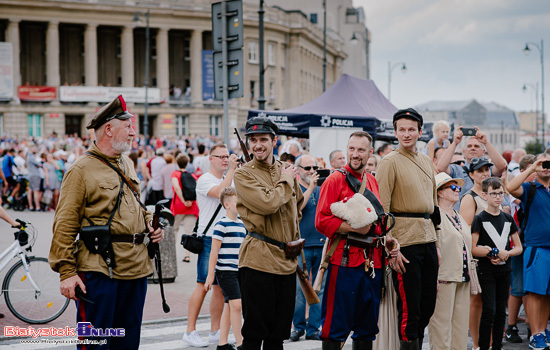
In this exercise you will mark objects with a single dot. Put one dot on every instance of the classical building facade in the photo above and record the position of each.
(61, 60)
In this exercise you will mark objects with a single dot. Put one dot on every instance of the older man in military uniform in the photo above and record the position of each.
(269, 199)
(109, 261)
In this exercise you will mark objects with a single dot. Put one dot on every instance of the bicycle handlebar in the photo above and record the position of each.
(22, 223)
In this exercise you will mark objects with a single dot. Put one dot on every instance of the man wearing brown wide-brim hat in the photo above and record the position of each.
(95, 205)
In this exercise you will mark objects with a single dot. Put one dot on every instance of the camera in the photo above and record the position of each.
(323, 174)
(546, 164)
(469, 131)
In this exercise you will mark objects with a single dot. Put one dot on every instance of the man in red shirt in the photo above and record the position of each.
(352, 292)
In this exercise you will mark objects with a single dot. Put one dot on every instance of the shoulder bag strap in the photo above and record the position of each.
(122, 177)
(211, 220)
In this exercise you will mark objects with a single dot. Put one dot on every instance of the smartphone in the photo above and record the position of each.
(546, 164)
(469, 131)
(323, 174)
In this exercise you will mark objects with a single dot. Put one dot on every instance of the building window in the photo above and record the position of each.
(313, 18)
(272, 92)
(182, 125)
(35, 125)
(252, 52)
(271, 54)
(215, 122)
(352, 15)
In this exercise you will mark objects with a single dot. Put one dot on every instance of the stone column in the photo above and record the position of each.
(196, 66)
(52, 54)
(163, 78)
(127, 56)
(12, 35)
(90, 54)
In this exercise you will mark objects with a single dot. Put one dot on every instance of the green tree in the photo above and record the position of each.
(534, 147)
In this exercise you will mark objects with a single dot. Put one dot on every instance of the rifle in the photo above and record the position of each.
(243, 147)
(310, 294)
(154, 252)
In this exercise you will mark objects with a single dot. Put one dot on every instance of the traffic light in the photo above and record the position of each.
(233, 35)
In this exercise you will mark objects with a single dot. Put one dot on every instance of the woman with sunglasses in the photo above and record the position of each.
(472, 204)
(448, 328)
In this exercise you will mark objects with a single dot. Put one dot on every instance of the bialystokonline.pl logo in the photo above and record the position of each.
(84, 331)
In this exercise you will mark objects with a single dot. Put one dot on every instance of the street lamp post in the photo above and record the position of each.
(261, 98)
(147, 52)
(541, 50)
(536, 89)
(324, 44)
(390, 69)
(354, 41)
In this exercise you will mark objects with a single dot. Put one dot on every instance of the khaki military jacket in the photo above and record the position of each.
(269, 204)
(406, 182)
(90, 190)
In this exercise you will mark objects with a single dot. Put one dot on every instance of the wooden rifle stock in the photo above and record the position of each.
(307, 289)
(243, 147)
(321, 273)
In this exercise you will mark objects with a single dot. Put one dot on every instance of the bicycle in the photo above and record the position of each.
(30, 287)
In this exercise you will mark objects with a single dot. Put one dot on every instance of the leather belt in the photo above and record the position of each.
(136, 238)
(269, 240)
(413, 215)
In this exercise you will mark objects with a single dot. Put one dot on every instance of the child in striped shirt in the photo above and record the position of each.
(228, 235)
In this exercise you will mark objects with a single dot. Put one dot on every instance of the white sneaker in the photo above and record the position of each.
(194, 339)
(214, 338)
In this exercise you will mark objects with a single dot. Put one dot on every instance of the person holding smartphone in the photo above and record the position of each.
(477, 144)
(536, 260)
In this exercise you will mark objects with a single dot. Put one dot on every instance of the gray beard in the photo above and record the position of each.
(121, 146)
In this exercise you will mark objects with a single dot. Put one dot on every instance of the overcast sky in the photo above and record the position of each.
(459, 50)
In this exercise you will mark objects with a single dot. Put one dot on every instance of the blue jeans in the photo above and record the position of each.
(203, 260)
(313, 261)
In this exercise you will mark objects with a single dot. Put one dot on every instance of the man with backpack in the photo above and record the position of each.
(536, 262)
(184, 202)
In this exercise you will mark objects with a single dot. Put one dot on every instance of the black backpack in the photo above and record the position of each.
(188, 186)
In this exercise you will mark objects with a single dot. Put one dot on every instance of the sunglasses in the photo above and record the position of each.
(308, 168)
(452, 187)
(459, 162)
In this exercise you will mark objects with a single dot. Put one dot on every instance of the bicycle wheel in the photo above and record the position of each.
(24, 301)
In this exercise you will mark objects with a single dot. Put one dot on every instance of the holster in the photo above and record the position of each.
(436, 217)
(294, 248)
(97, 238)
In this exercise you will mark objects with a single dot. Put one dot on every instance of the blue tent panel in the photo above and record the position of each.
(349, 103)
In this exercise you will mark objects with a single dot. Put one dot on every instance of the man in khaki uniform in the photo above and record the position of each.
(115, 279)
(407, 189)
(269, 201)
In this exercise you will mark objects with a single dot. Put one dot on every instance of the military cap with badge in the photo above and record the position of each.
(116, 109)
(261, 125)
